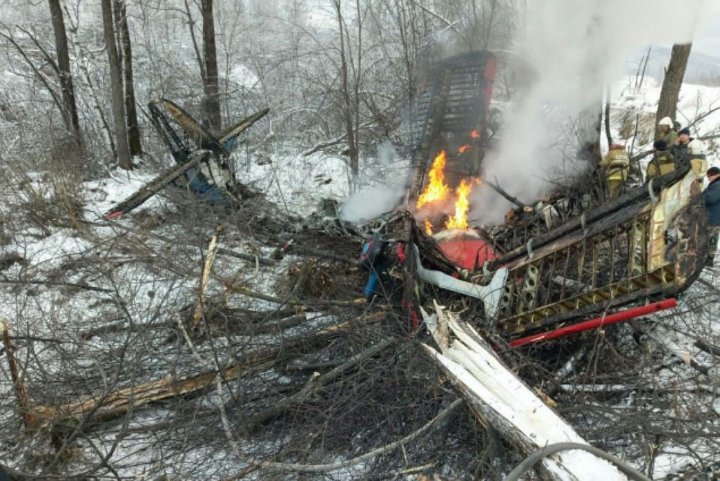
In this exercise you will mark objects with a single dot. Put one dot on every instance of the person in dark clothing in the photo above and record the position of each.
(373, 259)
(711, 195)
(680, 148)
(4, 475)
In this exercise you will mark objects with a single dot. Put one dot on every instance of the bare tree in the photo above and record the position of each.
(63, 63)
(116, 84)
(350, 85)
(211, 102)
(123, 33)
(674, 74)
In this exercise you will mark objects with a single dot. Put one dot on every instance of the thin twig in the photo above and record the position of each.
(320, 468)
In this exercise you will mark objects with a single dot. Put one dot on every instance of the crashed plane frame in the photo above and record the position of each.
(647, 245)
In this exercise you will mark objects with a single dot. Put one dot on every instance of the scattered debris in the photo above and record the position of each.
(203, 161)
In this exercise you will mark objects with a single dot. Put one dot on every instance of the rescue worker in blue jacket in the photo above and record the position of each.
(711, 195)
(374, 259)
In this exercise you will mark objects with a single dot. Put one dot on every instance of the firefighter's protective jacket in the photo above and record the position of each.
(616, 163)
(670, 137)
(663, 163)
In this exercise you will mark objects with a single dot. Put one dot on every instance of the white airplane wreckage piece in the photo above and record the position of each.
(500, 397)
(490, 295)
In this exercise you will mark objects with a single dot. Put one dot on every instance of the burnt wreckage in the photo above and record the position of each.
(202, 159)
(539, 275)
(549, 269)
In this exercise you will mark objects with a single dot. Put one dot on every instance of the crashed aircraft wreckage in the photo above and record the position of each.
(553, 270)
(545, 271)
(202, 159)
(550, 267)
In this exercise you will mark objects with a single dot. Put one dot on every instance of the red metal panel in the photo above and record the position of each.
(467, 252)
(598, 322)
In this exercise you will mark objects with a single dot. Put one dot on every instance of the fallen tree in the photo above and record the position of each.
(117, 403)
(496, 394)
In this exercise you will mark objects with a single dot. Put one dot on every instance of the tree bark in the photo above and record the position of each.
(82, 63)
(211, 102)
(70, 114)
(109, 405)
(133, 131)
(118, 100)
(346, 101)
(674, 75)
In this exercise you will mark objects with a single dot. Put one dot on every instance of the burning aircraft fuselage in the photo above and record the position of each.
(453, 102)
(560, 264)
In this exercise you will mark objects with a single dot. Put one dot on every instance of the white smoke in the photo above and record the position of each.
(370, 202)
(382, 185)
(574, 49)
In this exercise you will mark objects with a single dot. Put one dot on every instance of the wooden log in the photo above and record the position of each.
(205, 279)
(116, 403)
(20, 391)
(506, 402)
(263, 261)
(154, 186)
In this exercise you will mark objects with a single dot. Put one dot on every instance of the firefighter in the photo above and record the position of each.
(698, 161)
(662, 162)
(615, 166)
(711, 195)
(666, 131)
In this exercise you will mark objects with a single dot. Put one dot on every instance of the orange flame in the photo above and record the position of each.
(463, 148)
(428, 227)
(436, 189)
(459, 220)
(474, 134)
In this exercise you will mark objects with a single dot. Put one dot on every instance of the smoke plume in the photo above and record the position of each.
(573, 49)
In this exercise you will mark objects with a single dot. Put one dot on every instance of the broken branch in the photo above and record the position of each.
(315, 384)
(319, 468)
(117, 403)
(205, 278)
(496, 187)
(20, 390)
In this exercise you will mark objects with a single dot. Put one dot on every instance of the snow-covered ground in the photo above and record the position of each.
(70, 274)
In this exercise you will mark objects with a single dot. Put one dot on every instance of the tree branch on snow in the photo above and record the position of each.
(322, 468)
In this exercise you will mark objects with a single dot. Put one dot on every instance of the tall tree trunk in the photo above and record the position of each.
(118, 99)
(211, 102)
(82, 62)
(674, 74)
(346, 102)
(123, 32)
(70, 114)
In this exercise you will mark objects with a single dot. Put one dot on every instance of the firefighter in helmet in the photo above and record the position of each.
(666, 131)
(698, 159)
(615, 166)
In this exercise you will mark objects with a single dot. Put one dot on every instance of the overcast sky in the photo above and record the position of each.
(708, 40)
